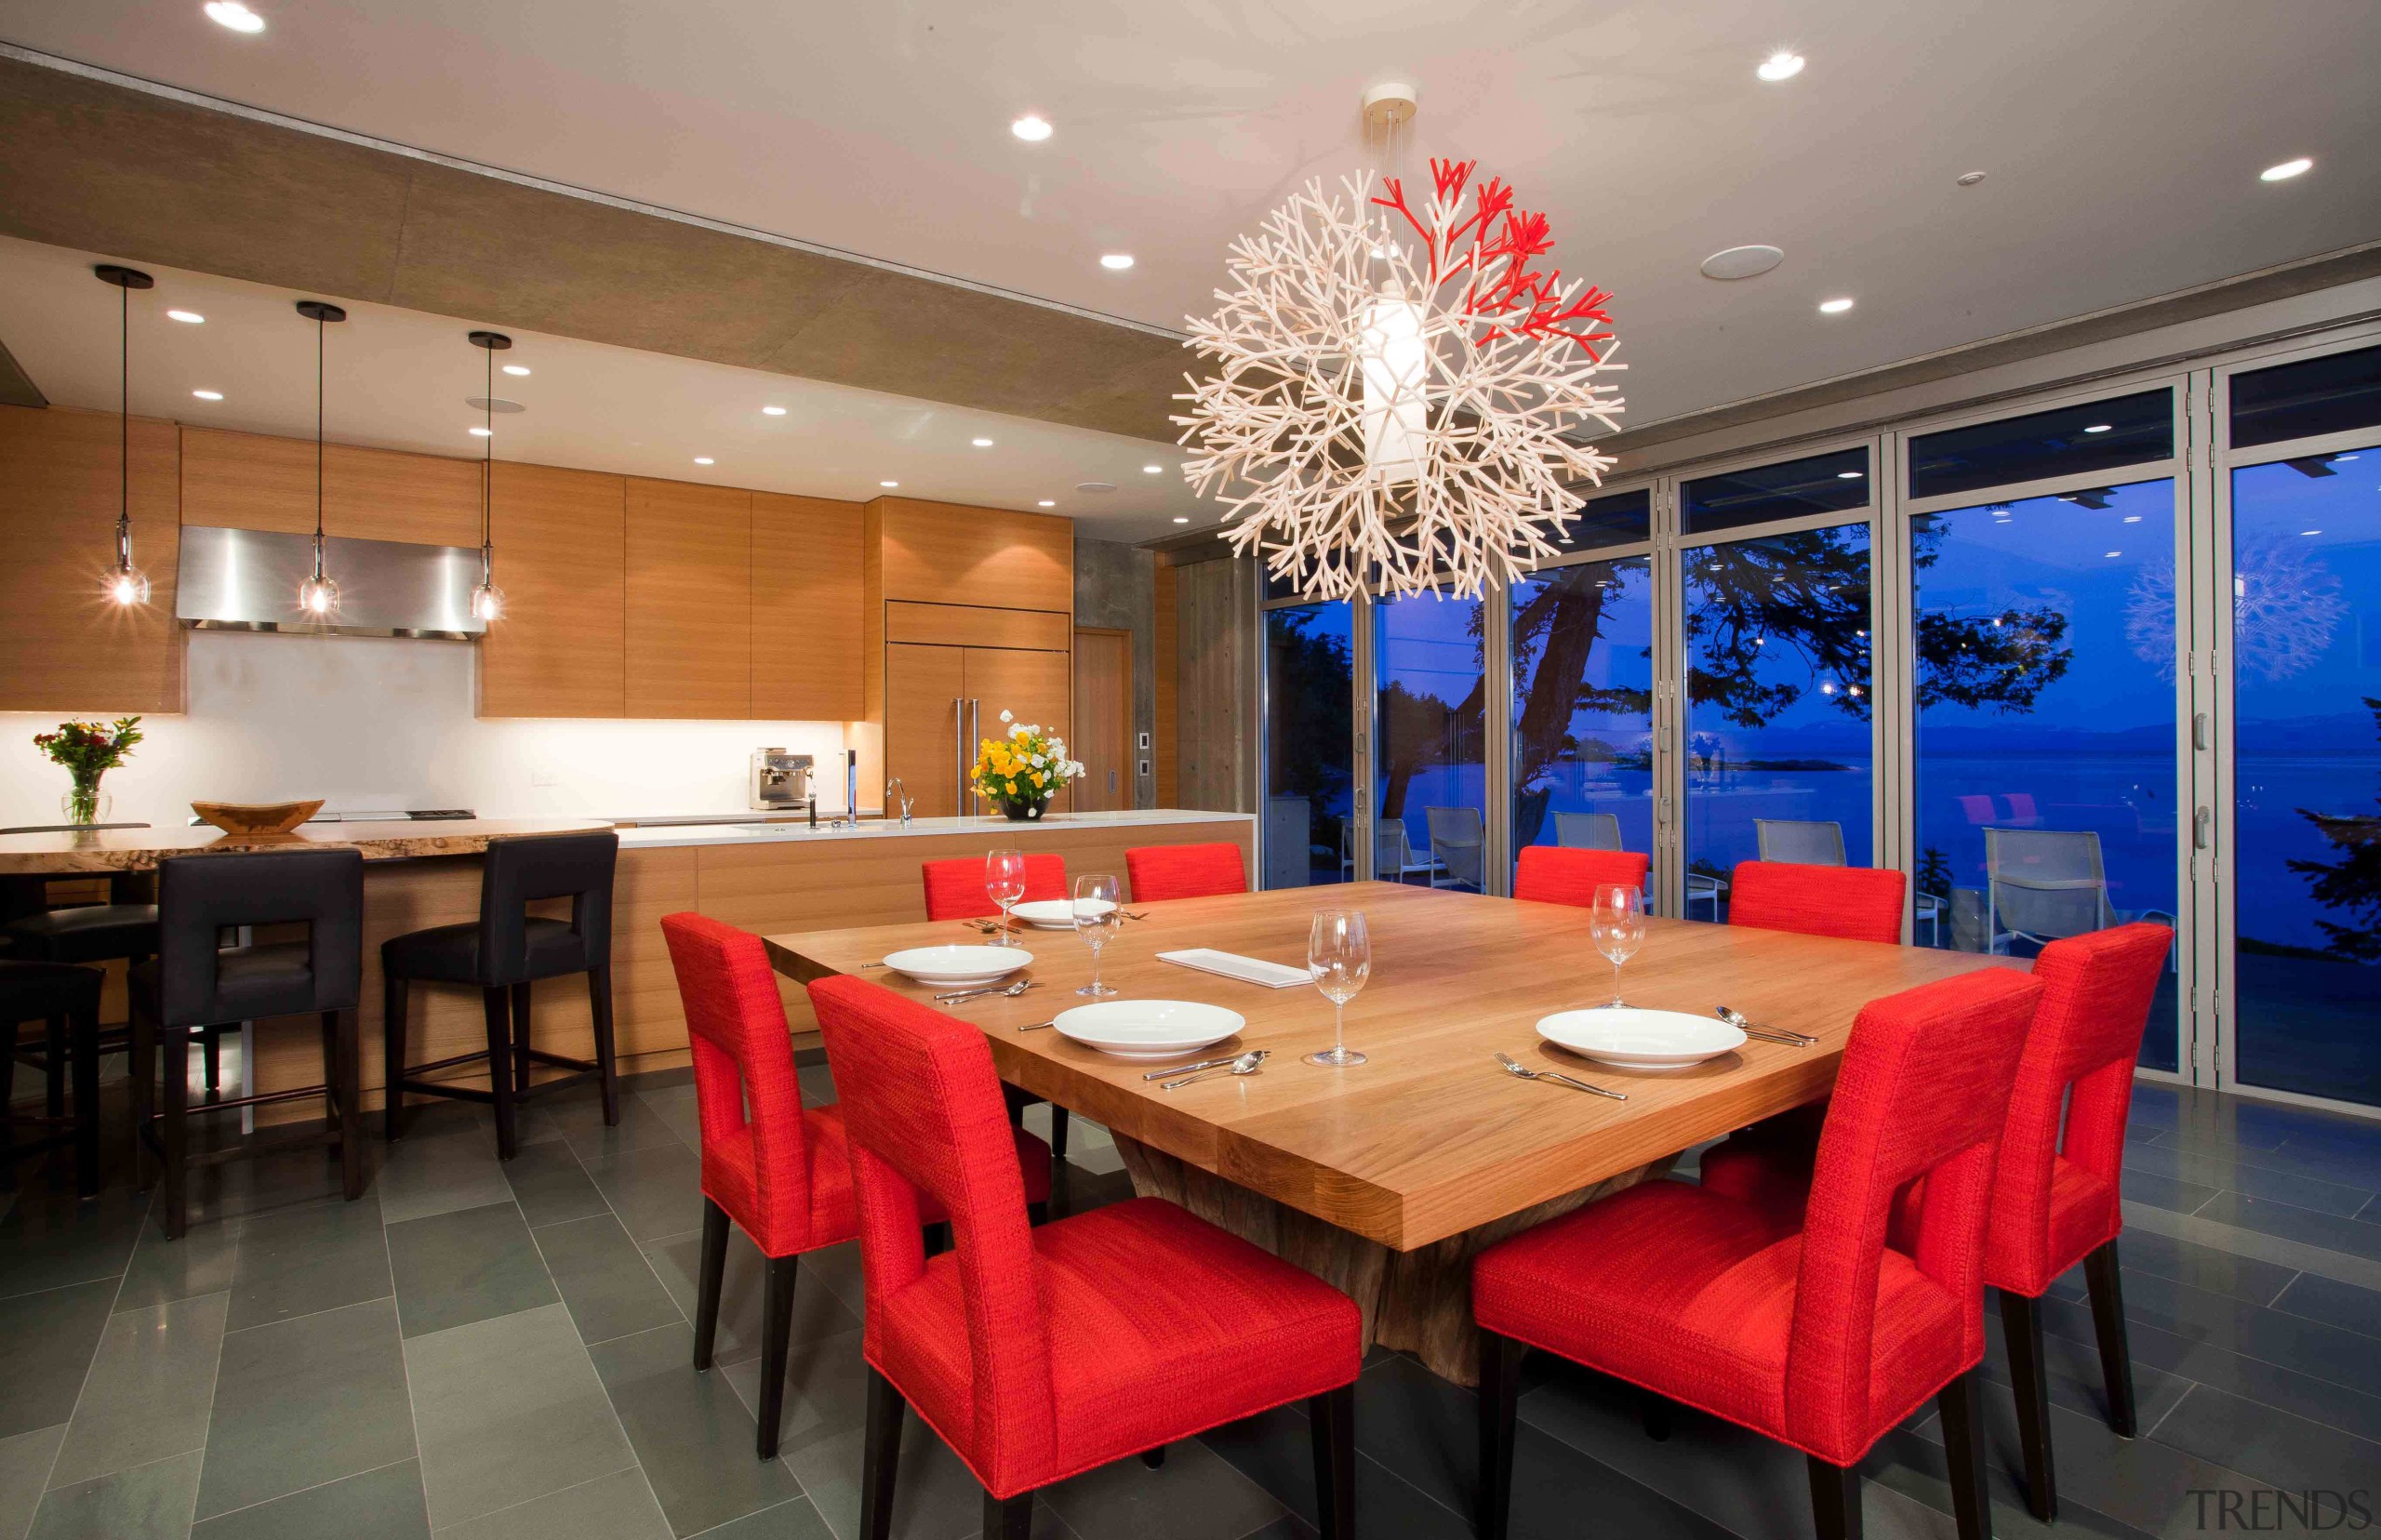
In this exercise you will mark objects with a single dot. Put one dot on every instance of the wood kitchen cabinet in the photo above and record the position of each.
(926, 688)
(69, 650)
(806, 609)
(252, 481)
(689, 609)
(560, 649)
(946, 553)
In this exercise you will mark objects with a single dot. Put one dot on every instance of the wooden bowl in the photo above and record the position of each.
(257, 818)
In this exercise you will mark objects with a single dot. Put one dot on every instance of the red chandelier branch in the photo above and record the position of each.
(1497, 242)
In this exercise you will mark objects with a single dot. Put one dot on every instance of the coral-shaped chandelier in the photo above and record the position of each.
(1396, 387)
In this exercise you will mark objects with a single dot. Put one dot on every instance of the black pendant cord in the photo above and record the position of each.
(319, 329)
(487, 472)
(123, 433)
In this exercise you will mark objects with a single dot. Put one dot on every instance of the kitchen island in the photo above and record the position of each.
(764, 877)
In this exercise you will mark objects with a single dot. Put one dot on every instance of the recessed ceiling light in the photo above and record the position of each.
(773, 411)
(1784, 65)
(2133, 518)
(888, 484)
(1743, 262)
(981, 443)
(1850, 476)
(1117, 261)
(1031, 129)
(208, 395)
(2116, 553)
(1153, 469)
(1834, 307)
(2286, 170)
(2342, 459)
(705, 459)
(1181, 518)
(187, 318)
(1048, 502)
(483, 433)
(1968, 179)
(232, 14)
(517, 370)
(1094, 486)
(2311, 532)
(2099, 428)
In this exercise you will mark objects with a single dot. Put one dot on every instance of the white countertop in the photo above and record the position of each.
(780, 833)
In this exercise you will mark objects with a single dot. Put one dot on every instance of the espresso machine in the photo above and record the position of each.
(780, 781)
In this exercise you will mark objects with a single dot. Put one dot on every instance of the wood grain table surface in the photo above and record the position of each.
(1430, 1139)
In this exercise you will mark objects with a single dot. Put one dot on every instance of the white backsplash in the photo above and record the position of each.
(385, 723)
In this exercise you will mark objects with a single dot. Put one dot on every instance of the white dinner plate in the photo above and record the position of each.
(1634, 1039)
(1053, 913)
(947, 966)
(1149, 1028)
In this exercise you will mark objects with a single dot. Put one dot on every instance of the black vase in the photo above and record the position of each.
(1021, 812)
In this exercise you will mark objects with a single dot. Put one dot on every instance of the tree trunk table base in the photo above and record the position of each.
(1419, 1301)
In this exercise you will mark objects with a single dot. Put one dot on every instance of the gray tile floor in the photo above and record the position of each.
(477, 1349)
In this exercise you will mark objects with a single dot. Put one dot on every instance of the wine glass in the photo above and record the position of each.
(1617, 924)
(1004, 884)
(1099, 912)
(1339, 955)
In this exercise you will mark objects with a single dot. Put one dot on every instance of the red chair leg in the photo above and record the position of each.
(879, 1458)
(707, 1281)
(1500, 1373)
(2105, 1281)
(2021, 1328)
(1332, 1416)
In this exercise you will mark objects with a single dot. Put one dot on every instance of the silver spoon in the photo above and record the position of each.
(1515, 1066)
(1771, 1034)
(1009, 991)
(1248, 1064)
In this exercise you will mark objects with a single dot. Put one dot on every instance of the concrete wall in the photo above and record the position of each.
(1115, 590)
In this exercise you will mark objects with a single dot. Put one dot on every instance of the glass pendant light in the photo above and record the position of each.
(488, 600)
(124, 584)
(318, 595)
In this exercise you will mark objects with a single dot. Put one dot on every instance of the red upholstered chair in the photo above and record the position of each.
(1036, 1354)
(1159, 872)
(2056, 1202)
(1814, 1333)
(955, 888)
(955, 891)
(1856, 903)
(781, 1175)
(1550, 874)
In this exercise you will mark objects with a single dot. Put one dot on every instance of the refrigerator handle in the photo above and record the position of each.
(967, 798)
(958, 753)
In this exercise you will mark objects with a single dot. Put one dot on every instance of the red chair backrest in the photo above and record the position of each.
(1923, 1092)
(1158, 873)
(2096, 991)
(1856, 903)
(743, 1057)
(955, 888)
(1553, 874)
(923, 1113)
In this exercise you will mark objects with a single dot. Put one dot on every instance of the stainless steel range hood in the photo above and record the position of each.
(246, 580)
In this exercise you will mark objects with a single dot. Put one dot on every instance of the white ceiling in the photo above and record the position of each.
(2122, 138)
(398, 379)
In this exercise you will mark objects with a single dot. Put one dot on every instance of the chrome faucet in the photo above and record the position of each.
(897, 799)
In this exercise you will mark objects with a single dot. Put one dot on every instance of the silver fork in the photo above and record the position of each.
(1515, 1066)
(1011, 991)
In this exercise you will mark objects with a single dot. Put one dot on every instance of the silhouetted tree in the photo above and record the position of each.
(1310, 706)
(2351, 886)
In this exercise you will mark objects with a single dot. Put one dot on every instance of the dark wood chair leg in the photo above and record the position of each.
(1154, 1459)
(2105, 1281)
(1058, 1131)
(1961, 1404)
(54, 1067)
(1008, 1518)
(777, 1337)
(521, 1038)
(607, 1069)
(499, 1070)
(140, 1070)
(937, 1238)
(210, 1049)
(393, 1056)
(86, 1034)
(1500, 1390)
(879, 1458)
(707, 1280)
(348, 1029)
(1835, 1500)
(1331, 1418)
(2021, 1327)
(175, 1041)
(1656, 1414)
(1037, 1213)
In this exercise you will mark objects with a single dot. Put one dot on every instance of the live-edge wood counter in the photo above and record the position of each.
(420, 874)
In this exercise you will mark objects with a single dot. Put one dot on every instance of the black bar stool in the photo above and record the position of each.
(501, 954)
(195, 983)
(67, 999)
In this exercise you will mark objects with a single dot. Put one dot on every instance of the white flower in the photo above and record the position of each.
(1037, 761)
(1005, 717)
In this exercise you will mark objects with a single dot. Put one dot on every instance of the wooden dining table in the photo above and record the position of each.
(1387, 1178)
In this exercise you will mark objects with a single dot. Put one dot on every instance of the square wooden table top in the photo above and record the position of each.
(1430, 1136)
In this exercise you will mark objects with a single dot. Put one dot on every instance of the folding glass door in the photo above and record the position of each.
(1309, 763)
(1430, 768)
